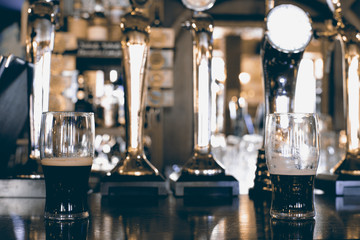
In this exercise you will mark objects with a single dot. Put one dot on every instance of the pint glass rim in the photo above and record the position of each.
(68, 113)
(62, 115)
(294, 114)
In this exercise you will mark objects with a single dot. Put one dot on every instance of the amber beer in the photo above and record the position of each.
(293, 194)
(66, 181)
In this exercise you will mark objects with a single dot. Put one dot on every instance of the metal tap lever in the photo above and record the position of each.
(202, 161)
(135, 46)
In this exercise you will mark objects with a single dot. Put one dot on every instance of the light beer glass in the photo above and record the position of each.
(67, 151)
(292, 156)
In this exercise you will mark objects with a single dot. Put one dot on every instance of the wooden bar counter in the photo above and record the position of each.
(179, 218)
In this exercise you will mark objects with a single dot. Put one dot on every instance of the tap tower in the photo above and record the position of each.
(202, 171)
(135, 173)
(287, 34)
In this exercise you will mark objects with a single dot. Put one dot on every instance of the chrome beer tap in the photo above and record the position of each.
(287, 34)
(202, 175)
(39, 46)
(202, 162)
(349, 38)
(135, 47)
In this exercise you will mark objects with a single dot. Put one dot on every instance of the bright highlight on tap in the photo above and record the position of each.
(197, 5)
(289, 28)
(136, 54)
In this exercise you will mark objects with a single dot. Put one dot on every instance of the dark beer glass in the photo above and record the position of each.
(292, 156)
(67, 151)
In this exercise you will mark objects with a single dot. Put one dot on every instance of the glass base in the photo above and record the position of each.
(66, 217)
(292, 215)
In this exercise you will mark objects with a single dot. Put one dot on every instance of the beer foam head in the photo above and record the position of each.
(294, 172)
(292, 166)
(79, 161)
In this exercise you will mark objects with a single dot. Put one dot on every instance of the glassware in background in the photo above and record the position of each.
(238, 156)
(240, 118)
(107, 108)
(292, 156)
(108, 150)
(332, 145)
(67, 152)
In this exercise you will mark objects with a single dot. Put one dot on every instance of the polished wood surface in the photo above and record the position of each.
(178, 218)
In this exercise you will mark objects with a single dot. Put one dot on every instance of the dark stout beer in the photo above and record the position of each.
(292, 157)
(293, 195)
(66, 181)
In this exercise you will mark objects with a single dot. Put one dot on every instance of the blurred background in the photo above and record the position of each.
(87, 75)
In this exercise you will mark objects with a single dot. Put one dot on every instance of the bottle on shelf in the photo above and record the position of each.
(116, 12)
(98, 23)
(82, 104)
(77, 22)
(107, 108)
